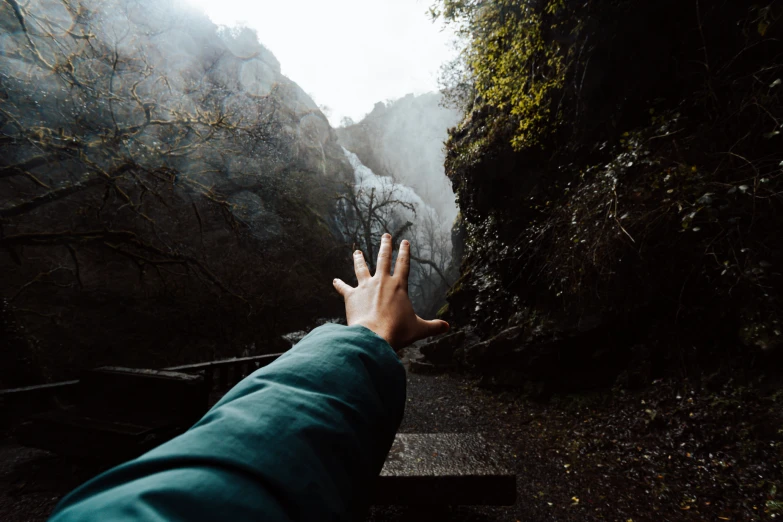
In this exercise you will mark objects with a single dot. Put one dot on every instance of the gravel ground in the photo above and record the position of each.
(672, 452)
(32, 481)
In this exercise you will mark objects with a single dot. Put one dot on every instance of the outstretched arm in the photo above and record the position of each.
(302, 439)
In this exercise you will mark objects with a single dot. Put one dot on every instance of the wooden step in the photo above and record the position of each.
(445, 469)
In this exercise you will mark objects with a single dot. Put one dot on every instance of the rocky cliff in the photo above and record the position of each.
(164, 190)
(620, 205)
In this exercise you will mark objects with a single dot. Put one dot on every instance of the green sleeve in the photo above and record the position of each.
(302, 439)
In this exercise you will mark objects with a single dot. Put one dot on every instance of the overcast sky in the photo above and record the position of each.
(347, 54)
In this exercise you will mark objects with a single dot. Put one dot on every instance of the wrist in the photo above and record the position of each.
(378, 330)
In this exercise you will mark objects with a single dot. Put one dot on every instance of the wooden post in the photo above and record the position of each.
(223, 377)
(208, 378)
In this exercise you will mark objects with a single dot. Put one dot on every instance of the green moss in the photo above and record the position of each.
(457, 287)
(466, 152)
(517, 66)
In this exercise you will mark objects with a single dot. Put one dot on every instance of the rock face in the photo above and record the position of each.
(626, 214)
(160, 193)
(404, 139)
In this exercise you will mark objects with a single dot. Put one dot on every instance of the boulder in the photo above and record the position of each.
(638, 373)
(441, 351)
(487, 352)
(566, 362)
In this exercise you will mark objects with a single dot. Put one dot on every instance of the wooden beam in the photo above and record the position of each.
(40, 388)
(263, 360)
(54, 387)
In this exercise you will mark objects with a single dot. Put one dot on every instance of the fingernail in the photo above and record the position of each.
(334, 281)
(405, 243)
(387, 236)
(357, 253)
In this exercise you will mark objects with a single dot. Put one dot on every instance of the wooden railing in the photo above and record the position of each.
(219, 375)
(40, 389)
(20, 402)
(222, 375)
(32, 399)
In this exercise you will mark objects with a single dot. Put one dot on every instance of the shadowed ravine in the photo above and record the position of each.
(594, 201)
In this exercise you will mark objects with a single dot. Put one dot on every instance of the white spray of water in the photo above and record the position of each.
(405, 138)
(366, 180)
(429, 234)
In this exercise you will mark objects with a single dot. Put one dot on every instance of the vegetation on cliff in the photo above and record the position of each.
(619, 167)
(516, 60)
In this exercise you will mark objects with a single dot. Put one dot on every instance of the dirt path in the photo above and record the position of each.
(671, 452)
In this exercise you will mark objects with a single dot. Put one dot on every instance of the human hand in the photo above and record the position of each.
(381, 301)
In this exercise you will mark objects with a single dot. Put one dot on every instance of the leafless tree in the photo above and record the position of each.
(369, 212)
(431, 253)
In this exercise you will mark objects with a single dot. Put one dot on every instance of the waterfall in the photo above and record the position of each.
(366, 179)
(411, 208)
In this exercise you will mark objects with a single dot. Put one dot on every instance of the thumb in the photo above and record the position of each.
(342, 288)
(430, 328)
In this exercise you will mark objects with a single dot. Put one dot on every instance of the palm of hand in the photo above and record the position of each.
(380, 302)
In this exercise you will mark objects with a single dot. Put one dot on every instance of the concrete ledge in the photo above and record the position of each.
(445, 469)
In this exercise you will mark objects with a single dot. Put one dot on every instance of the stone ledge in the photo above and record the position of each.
(445, 469)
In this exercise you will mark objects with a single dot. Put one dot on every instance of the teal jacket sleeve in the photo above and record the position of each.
(302, 439)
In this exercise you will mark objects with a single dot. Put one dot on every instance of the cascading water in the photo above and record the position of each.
(366, 180)
(410, 207)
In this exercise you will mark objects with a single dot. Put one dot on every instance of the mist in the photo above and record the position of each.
(404, 139)
(347, 54)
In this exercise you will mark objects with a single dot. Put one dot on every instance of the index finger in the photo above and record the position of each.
(360, 267)
(403, 266)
